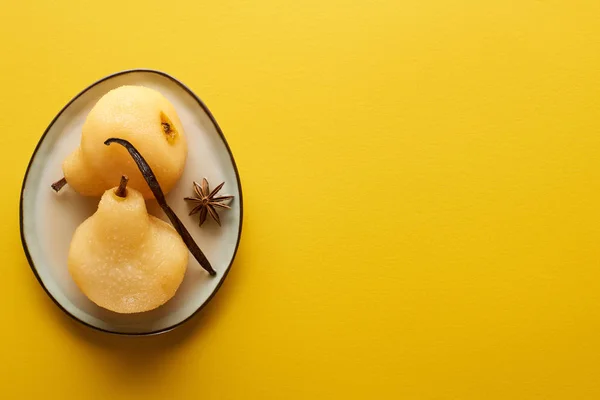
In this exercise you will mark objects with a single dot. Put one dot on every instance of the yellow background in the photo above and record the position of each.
(422, 191)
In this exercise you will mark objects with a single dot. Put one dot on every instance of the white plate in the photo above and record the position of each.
(48, 220)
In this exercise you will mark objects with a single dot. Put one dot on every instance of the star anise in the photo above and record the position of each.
(208, 201)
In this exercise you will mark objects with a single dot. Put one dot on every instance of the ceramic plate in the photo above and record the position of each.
(48, 220)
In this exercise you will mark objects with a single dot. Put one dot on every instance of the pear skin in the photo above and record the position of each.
(124, 259)
(80, 176)
(142, 116)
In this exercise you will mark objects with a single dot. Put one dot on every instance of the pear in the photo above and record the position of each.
(140, 115)
(124, 259)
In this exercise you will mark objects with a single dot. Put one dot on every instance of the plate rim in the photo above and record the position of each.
(235, 168)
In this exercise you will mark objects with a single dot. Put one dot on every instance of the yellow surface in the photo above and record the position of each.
(422, 192)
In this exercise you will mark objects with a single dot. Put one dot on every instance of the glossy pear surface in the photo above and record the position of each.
(140, 115)
(125, 260)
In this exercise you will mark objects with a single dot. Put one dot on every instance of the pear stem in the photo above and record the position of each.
(121, 191)
(59, 184)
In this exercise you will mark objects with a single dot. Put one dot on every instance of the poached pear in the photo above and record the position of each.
(140, 115)
(124, 259)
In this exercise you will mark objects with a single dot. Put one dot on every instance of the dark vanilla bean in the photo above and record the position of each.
(160, 198)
